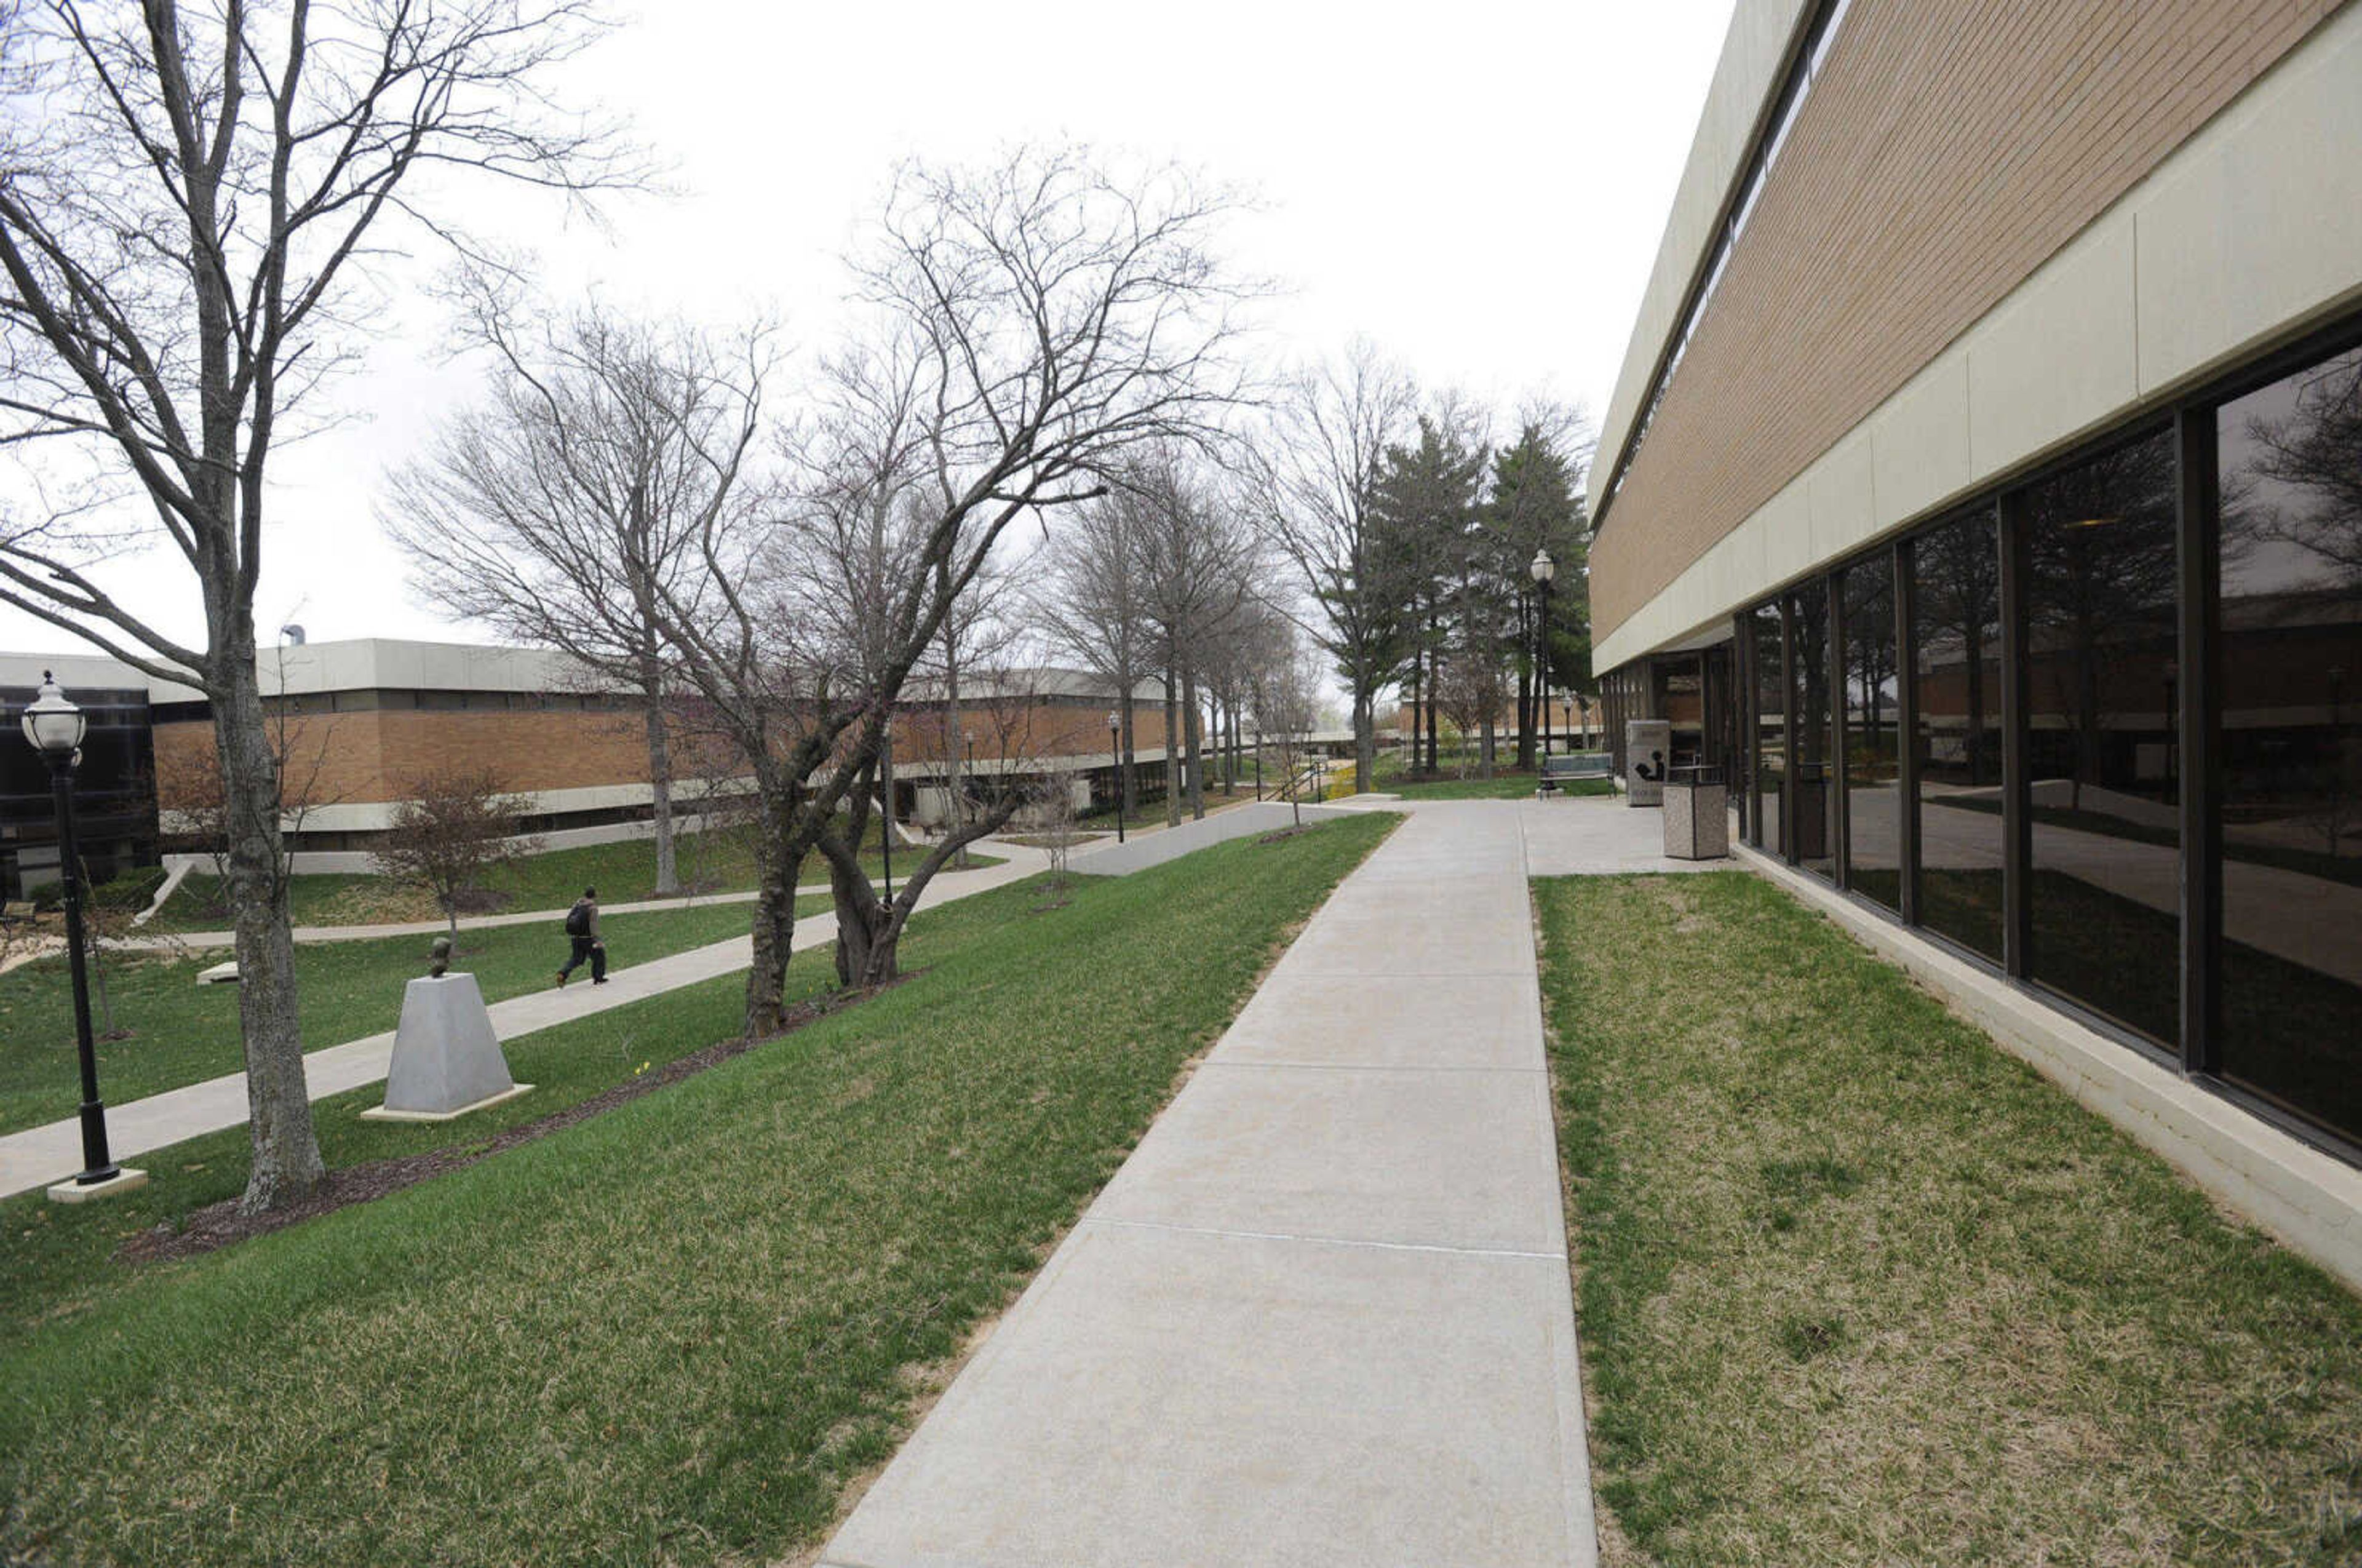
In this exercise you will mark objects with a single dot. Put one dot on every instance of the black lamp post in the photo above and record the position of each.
(1115, 750)
(886, 814)
(54, 727)
(1543, 568)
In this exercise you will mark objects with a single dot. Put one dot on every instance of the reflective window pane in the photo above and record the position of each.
(1872, 756)
(1955, 664)
(2101, 745)
(2291, 742)
(1770, 728)
(1808, 612)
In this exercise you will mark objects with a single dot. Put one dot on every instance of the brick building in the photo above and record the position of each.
(1986, 468)
(360, 719)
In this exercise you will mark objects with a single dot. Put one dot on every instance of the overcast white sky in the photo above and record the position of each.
(1479, 189)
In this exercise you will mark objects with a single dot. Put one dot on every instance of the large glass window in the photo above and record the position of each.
(2290, 741)
(1872, 747)
(1808, 620)
(2101, 684)
(1956, 664)
(1771, 726)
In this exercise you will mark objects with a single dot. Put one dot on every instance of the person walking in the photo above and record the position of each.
(582, 930)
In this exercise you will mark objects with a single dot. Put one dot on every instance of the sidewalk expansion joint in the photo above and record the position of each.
(1559, 1257)
(1372, 1066)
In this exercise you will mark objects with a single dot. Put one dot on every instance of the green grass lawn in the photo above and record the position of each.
(1855, 1287)
(1390, 776)
(623, 872)
(1502, 786)
(673, 1334)
(184, 1032)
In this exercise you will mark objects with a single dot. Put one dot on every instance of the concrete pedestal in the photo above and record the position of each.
(446, 1060)
(124, 1179)
(1697, 821)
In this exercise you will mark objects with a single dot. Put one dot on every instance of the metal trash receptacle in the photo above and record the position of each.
(1697, 815)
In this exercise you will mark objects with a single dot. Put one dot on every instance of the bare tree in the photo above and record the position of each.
(455, 827)
(183, 200)
(1196, 562)
(979, 632)
(1032, 325)
(1319, 470)
(1471, 686)
(561, 512)
(1287, 707)
(1053, 806)
(1089, 599)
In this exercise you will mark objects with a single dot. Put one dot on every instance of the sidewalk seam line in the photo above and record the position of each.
(1319, 1241)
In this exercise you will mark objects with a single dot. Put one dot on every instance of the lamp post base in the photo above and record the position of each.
(124, 1180)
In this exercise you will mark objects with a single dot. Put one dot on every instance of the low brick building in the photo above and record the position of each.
(360, 721)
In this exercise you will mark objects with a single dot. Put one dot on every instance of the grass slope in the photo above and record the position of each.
(1858, 1287)
(184, 1032)
(673, 1334)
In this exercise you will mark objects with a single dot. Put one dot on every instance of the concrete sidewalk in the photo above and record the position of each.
(40, 1155)
(1322, 1314)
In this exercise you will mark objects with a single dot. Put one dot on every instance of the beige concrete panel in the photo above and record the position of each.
(2059, 357)
(1919, 439)
(1786, 525)
(2258, 221)
(1840, 494)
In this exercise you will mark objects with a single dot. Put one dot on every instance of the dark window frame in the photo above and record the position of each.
(2190, 416)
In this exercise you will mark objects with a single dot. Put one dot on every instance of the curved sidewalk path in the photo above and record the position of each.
(40, 1155)
(1322, 1314)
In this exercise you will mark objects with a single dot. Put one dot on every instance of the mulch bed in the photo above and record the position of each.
(221, 1225)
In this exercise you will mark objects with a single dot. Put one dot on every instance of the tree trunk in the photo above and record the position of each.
(869, 929)
(775, 915)
(1485, 747)
(954, 742)
(660, 788)
(1365, 741)
(1434, 754)
(286, 1159)
(1196, 749)
(866, 933)
(1172, 754)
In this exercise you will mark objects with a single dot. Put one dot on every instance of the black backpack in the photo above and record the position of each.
(577, 920)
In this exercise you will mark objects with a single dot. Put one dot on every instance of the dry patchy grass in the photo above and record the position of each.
(1858, 1287)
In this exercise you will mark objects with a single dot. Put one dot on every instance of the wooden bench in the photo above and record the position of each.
(1574, 765)
(14, 913)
